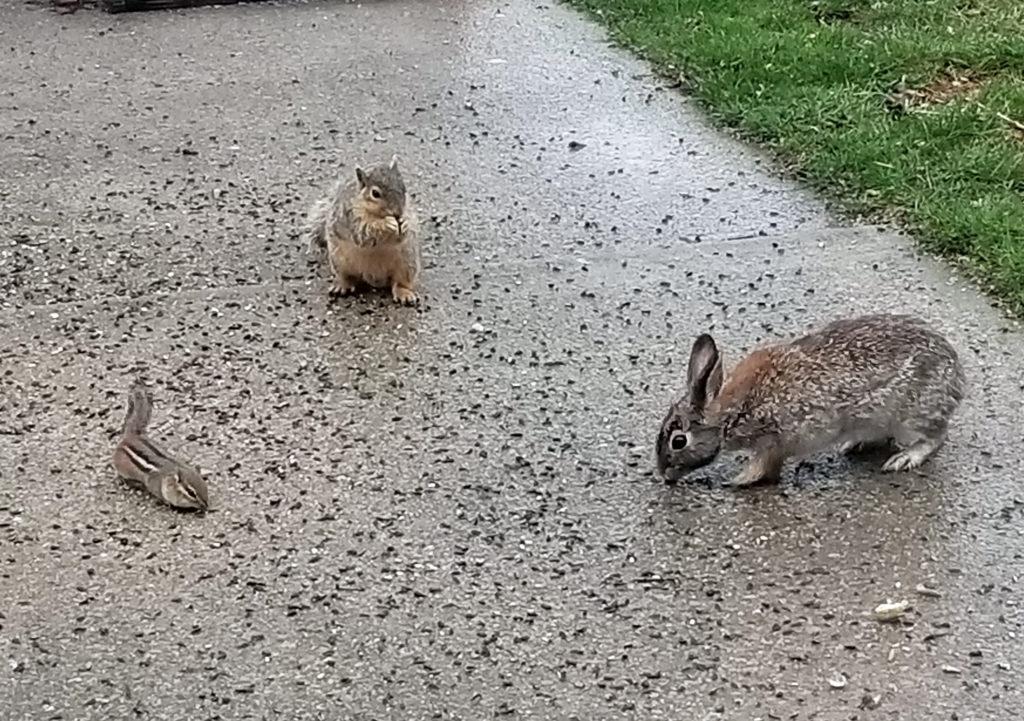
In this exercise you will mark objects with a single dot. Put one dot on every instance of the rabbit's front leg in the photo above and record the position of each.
(851, 448)
(764, 465)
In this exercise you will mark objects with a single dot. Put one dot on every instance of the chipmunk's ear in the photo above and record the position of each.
(394, 162)
(361, 177)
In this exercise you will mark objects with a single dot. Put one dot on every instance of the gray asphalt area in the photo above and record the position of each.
(451, 512)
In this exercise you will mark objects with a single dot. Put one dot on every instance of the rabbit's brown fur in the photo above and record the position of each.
(854, 381)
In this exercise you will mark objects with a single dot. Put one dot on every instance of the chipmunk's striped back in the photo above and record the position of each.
(139, 460)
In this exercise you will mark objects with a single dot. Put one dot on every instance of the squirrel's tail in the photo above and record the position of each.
(316, 224)
(140, 409)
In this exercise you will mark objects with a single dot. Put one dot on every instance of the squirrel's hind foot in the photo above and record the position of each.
(342, 287)
(404, 295)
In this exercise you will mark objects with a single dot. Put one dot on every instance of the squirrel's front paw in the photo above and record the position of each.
(392, 224)
(403, 295)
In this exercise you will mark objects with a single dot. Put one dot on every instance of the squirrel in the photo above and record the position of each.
(371, 233)
(142, 463)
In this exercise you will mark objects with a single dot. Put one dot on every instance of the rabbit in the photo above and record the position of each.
(854, 382)
(371, 233)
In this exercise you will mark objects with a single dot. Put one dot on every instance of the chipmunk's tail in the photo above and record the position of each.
(140, 409)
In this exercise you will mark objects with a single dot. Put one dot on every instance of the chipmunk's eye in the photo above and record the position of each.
(375, 194)
(678, 440)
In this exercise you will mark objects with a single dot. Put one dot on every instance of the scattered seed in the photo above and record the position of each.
(871, 702)
(890, 610)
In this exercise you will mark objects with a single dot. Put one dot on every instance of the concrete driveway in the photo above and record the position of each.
(450, 513)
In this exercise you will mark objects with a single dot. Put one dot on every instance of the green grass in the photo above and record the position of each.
(811, 80)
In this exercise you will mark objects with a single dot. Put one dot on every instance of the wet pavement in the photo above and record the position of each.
(450, 512)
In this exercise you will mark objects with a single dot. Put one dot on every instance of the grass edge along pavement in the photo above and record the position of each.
(912, 110)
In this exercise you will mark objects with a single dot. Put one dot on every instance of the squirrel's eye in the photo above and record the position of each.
(677, 441)
(375, 194)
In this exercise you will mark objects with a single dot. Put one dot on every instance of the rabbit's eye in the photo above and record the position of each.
(375, 194)
(677, 441)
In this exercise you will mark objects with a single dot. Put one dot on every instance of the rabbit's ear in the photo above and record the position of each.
(704, 377)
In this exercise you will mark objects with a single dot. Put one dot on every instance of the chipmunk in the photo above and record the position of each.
(370, 232)
(141, 462)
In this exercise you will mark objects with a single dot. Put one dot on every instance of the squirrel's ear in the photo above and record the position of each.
(394, 162)
(361, 177)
